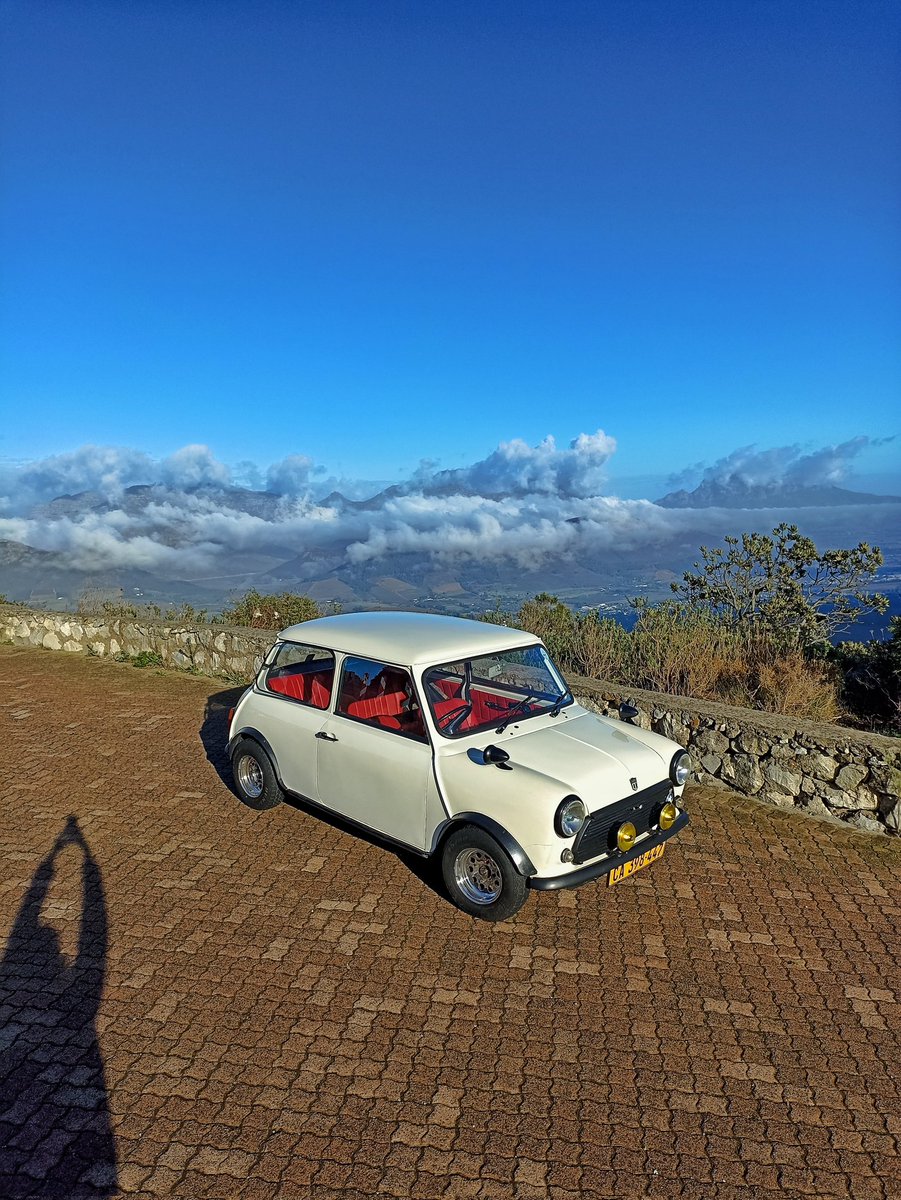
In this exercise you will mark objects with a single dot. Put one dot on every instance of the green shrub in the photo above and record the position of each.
(781, 586)
(187, 614)
(115, 610)
(91, 603)
(602, 647)
(254, 609)
(147, 658)
(554, 622)
(871, 680)
(258, 611)
(497, 615)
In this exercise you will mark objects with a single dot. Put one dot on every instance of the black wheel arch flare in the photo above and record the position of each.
(253, 735)
(521, 861)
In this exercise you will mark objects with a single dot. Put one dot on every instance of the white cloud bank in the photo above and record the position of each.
(783, 466)
(518, 469)
(522, 504)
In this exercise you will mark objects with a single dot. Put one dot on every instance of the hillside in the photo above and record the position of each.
(734, 493)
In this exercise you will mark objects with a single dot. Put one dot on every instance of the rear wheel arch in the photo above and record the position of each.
(255, 773)
(251, 735)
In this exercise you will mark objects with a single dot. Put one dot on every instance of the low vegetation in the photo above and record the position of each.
(254, 610)
(92, 603)
(751, 625)
(673, 648)
(871, 679)
(258, 611)
(144, 658)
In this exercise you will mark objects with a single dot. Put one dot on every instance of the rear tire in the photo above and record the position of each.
(479, 876)
(255, 780)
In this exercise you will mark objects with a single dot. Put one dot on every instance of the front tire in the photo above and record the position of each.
(254, 775)
(479, 876)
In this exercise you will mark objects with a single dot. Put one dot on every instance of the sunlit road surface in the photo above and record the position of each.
(201, 1001)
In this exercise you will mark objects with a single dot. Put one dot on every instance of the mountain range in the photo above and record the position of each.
(737, 493)
(206, 542)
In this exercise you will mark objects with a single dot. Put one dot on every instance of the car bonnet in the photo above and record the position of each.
(588, 754)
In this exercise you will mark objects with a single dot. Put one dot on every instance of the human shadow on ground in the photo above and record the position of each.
(214, 736)
(56, 1140)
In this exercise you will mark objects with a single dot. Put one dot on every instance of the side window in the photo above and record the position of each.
(379, 694)
(302, 673)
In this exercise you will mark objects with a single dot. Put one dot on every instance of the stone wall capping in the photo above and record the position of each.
(820, 733)
(840, 774)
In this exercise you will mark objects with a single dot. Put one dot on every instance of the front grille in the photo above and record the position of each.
(598, 835)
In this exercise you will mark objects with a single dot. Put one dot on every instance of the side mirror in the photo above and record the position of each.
(494, 754)
(627, 712)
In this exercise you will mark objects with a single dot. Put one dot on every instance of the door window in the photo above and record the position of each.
(379, 694)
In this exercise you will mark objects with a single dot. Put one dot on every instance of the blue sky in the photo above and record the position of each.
(380, 232)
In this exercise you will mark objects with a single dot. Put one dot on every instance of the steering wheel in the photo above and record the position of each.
(451, 721)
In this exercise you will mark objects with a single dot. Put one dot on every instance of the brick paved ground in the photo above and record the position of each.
(262, 1005)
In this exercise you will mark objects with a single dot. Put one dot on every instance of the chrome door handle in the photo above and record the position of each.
(326, 737)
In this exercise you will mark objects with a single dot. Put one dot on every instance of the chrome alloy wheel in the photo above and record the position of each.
(250, 776)
(478, 876)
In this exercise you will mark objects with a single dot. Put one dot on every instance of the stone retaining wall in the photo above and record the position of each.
(218, 650)
(827, 770)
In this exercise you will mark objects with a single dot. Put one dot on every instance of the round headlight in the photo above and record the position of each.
(680, 767)
(570, 817)
(625, 836)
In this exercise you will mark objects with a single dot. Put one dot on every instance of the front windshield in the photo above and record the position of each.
(488, 692)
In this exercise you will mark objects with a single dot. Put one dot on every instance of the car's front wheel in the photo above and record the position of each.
(255, 778)
(479, 876)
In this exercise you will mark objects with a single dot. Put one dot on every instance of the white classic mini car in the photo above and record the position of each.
(458, 740)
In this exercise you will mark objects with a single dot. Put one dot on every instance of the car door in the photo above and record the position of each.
(374, 758)
(295, 691)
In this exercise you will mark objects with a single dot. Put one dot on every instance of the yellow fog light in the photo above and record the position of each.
(625, 836)
(668, 815)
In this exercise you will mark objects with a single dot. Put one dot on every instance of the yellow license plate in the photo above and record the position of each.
(618, 874)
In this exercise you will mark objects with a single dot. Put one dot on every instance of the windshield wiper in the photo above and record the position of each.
(511, 712)
(555, 711)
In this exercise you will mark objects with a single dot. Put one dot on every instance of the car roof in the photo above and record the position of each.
(408, 639)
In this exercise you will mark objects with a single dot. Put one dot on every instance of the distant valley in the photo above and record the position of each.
(207, 544)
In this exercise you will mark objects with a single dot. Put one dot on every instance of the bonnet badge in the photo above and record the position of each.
(634, 783)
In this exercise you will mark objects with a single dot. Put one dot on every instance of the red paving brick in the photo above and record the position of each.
(265, 1006)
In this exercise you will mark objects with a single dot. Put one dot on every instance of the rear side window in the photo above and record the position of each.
(379, 694)
(302, 673)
